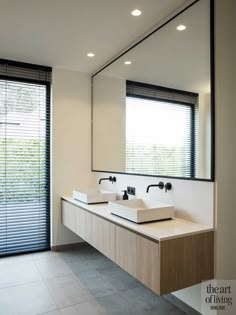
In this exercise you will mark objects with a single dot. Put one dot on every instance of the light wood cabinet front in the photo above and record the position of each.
(84, 225)
(164, 267)
(138, 256)
(103, 236)
(186, 261)
(69, 215)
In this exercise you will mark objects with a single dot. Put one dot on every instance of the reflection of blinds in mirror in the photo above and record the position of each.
(159, 131)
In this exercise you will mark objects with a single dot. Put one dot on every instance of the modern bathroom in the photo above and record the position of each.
(117, 152)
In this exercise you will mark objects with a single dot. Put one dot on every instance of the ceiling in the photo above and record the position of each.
(60, 33)
(179, 60)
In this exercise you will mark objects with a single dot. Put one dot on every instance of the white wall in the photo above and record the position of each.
(193, 200)
(70, 143)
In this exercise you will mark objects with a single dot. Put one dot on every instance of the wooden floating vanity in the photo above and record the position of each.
(165, 256)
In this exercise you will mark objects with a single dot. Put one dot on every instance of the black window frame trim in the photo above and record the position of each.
(47, 84)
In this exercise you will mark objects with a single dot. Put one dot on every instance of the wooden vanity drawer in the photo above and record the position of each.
(163, 266)
(103, 236)
(69, 215)
(84, 224)
(186, 261)
(169, 266)
(139, 256)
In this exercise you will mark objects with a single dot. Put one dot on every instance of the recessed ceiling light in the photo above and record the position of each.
(181, 27)
(128, 62)
(136, 12)
(91, 54)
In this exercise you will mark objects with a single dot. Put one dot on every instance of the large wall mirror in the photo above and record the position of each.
(152, 111)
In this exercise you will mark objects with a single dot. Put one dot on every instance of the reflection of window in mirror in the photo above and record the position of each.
(160, 130)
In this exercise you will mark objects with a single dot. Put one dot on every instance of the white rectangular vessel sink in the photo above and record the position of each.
(93, 195)
(140, 210)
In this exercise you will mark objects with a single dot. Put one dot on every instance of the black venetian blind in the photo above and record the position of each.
(160, 130)
(24, 157)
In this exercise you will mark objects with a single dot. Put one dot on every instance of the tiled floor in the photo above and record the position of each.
(74, 282)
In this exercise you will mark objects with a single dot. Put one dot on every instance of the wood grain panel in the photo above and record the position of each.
(84, 225)
(186, 261)
(126, 250)
(103, 236)
(148, 264)
(139, 257)
(68, 215)
(163, 267)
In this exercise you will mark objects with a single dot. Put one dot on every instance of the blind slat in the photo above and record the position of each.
(24, 158)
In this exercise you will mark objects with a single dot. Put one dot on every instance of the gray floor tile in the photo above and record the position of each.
(95, 283)
(15, 272)
(52, 266)
(71, 256)
(105, 263)
(56, 312)
(117, 304)
(67, 290)
(27, 299)
(78, 281)
(85, 258)
(119, 279)
(143, 295)
(147, 302)
(14, 258)
(92, 263)
(83, 252)
(86, 308)
(44, 255)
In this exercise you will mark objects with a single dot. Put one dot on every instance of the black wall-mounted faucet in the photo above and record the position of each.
(160, 185)
(110, 178)
(168, 186)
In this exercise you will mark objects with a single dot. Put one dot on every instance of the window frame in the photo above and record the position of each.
(47, 83)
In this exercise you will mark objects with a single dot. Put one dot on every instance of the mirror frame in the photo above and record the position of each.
(212, 98)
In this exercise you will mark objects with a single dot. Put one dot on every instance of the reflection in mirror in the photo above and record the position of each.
(152, 106)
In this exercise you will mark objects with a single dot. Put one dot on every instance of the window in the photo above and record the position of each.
(160, 130)
(24, 157)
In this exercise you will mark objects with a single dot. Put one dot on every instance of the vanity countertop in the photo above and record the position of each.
(161, 230)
